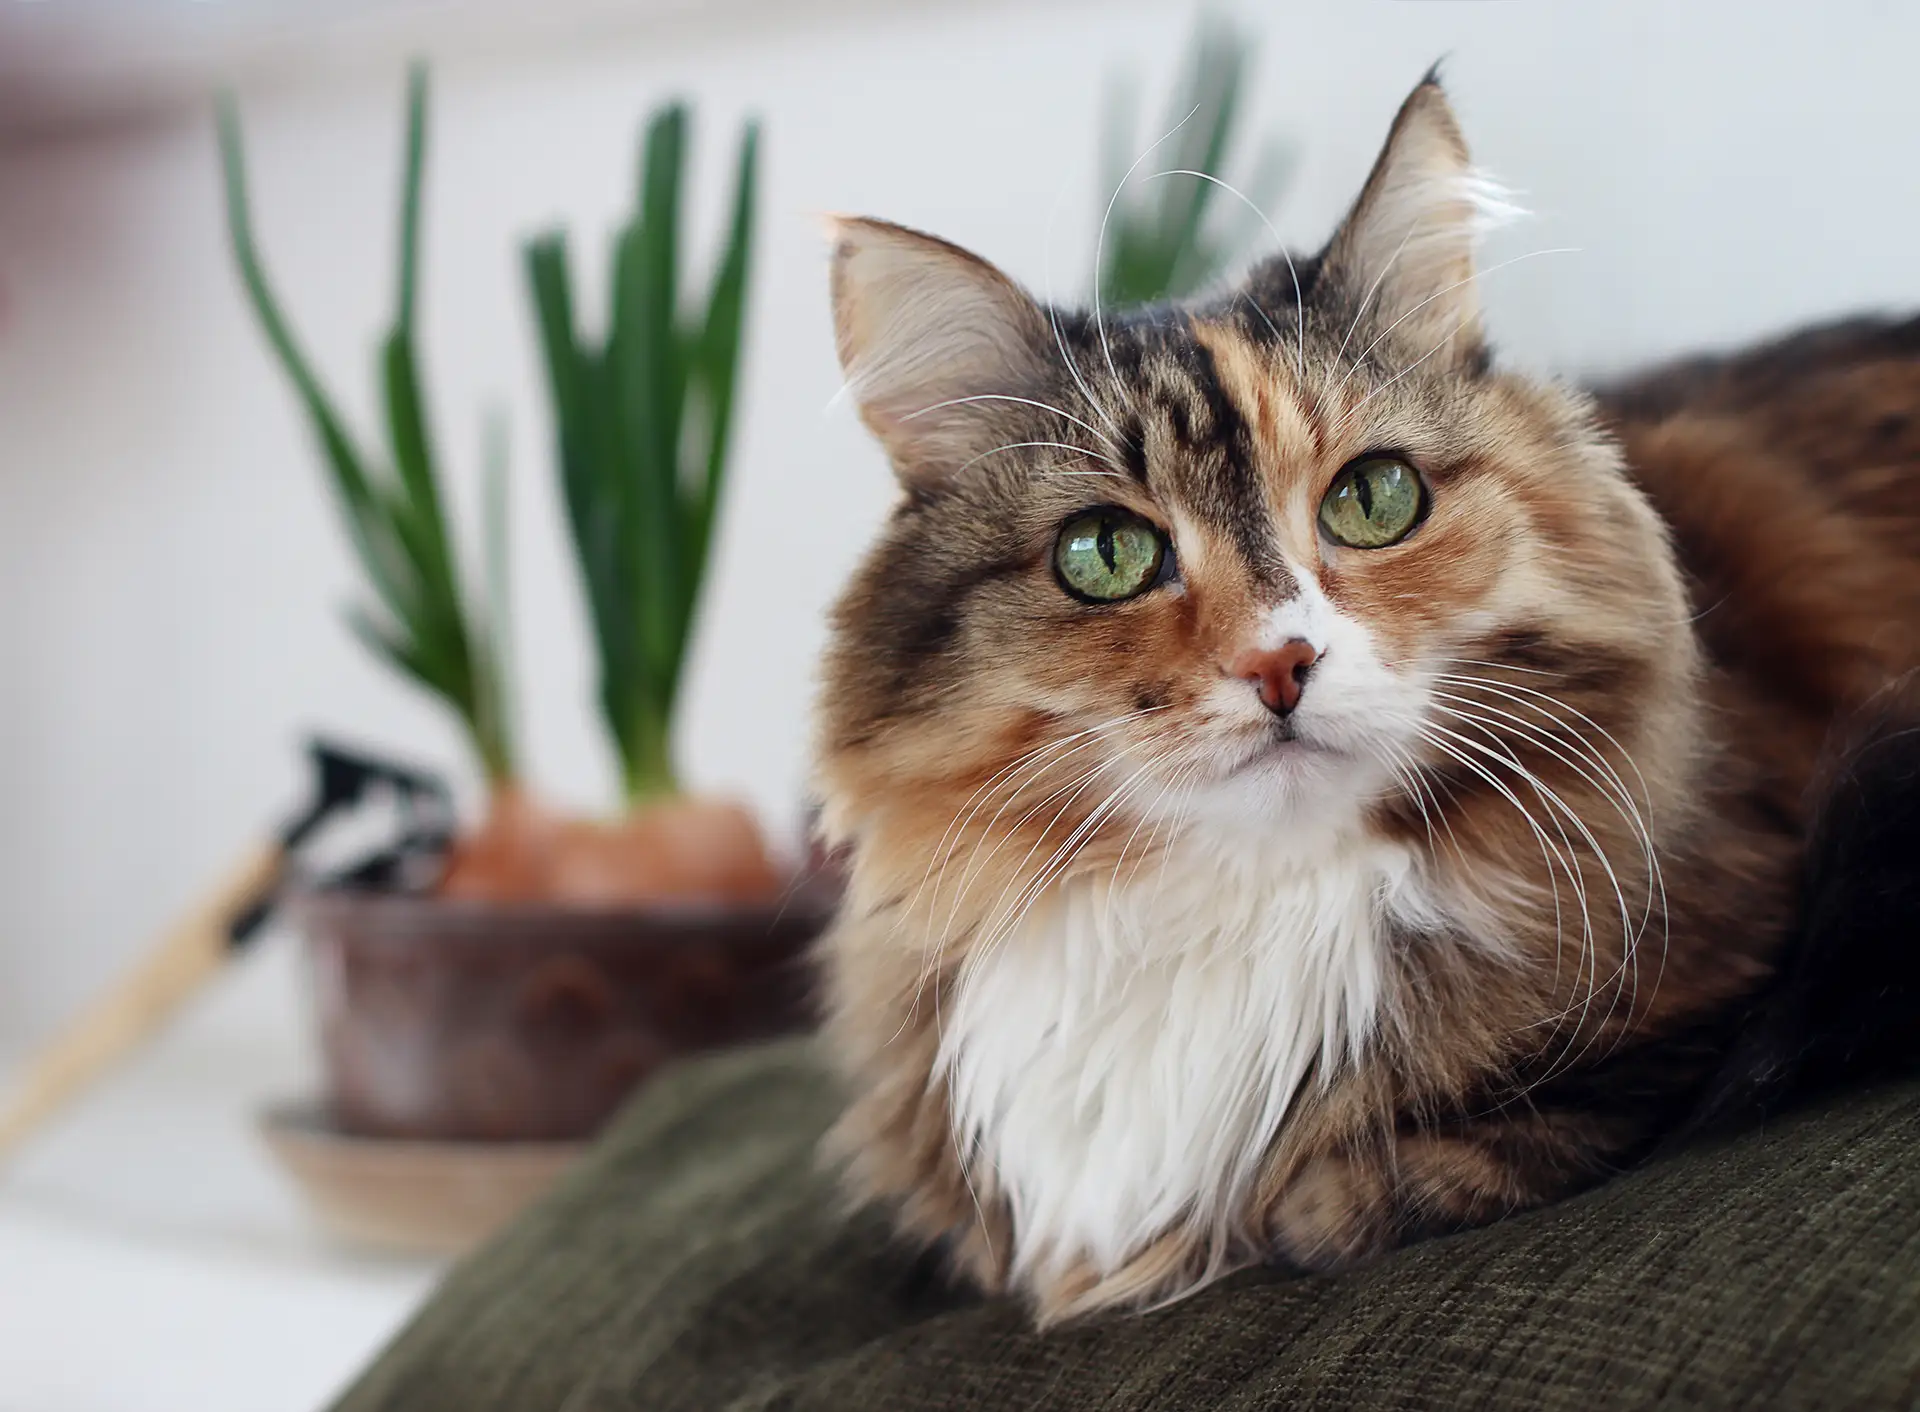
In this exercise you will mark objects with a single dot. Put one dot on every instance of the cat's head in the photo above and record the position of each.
(1267, 563)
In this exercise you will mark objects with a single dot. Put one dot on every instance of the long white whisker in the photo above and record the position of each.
(1503, 688)
(1008, 397)
(1100, 244)
(1362, 356)
(1608, 782)
(1354, 410)
(1063, 856)
(1374, 289)
(1299, 303)
(1057, 445)
(942, 853)
(1614, 793)
(1600, 856)
(1549, 852)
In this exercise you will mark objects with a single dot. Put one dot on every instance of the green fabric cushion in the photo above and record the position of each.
(699, 1261)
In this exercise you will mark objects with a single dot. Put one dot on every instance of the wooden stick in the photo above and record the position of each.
(140, 1003)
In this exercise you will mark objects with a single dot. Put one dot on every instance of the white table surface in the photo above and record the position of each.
(152, 1257)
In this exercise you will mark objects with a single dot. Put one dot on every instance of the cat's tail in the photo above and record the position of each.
(1845, 1005)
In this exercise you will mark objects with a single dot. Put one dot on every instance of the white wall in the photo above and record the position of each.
(170, 567)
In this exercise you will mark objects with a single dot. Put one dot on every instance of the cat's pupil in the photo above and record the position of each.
(1103, 545)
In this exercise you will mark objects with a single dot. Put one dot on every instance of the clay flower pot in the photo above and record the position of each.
(456, 1018)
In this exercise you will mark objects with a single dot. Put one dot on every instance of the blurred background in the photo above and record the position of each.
(171, 561)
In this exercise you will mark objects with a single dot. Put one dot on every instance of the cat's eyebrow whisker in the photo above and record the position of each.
(1364, 353)
(1060, 412)
(1299, 303)
(1354, 410)
(1073, 371)
(1059, 339)
(1100, 242)
(1374, 289)
(1020, 445)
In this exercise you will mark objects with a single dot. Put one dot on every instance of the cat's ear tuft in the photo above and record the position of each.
(1406, 250)
(921, 326)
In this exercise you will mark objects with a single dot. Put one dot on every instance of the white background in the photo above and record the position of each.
(171, 569)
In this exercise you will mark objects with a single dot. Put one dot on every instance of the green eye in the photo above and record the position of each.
(1374, 502)
(1107, 554)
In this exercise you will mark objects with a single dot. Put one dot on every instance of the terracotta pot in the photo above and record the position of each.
(464, 1019)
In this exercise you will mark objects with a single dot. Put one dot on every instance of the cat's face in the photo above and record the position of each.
(1226, 565)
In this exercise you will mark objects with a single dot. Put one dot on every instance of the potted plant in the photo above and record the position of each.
(559, 959)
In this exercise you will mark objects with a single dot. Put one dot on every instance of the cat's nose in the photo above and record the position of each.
(1279, 674)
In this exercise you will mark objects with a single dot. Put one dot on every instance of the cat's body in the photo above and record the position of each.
(1310, 897)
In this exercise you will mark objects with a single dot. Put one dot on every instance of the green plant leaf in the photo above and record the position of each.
(410, 183)
(592, 487)
(395, 522)
(493, 635)
(718, 355)
(642, 428)
(649, 383)
(406, 424)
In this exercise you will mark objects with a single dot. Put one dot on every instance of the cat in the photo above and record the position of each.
(1306, 787)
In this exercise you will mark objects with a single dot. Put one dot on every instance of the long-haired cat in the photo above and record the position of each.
(1307, 786)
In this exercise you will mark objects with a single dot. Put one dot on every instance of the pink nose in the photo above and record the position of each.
(1280, 675)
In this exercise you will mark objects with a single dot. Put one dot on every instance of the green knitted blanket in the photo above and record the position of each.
(698, 1261)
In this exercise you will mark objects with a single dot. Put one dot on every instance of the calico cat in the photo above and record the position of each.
(1306, 786)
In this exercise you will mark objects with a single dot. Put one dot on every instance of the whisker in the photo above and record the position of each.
(1100, 243)
(1008, 397)
(1299, 303)
(1550, 854)
(1364, 353)
(1057, 445)
(1354, 410)
(1063, 856)
(1504, 688)
(1571, 1055)
(1374, 289)
(1615, 794)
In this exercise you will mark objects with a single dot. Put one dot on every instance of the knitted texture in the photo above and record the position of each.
(700, 1261)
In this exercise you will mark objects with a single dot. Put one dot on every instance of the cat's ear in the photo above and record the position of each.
(922, 326)
(1406, 250)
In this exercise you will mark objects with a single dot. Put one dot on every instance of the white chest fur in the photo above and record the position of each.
(1124, 1059)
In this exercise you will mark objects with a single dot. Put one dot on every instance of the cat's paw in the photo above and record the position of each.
(1334, 1214)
